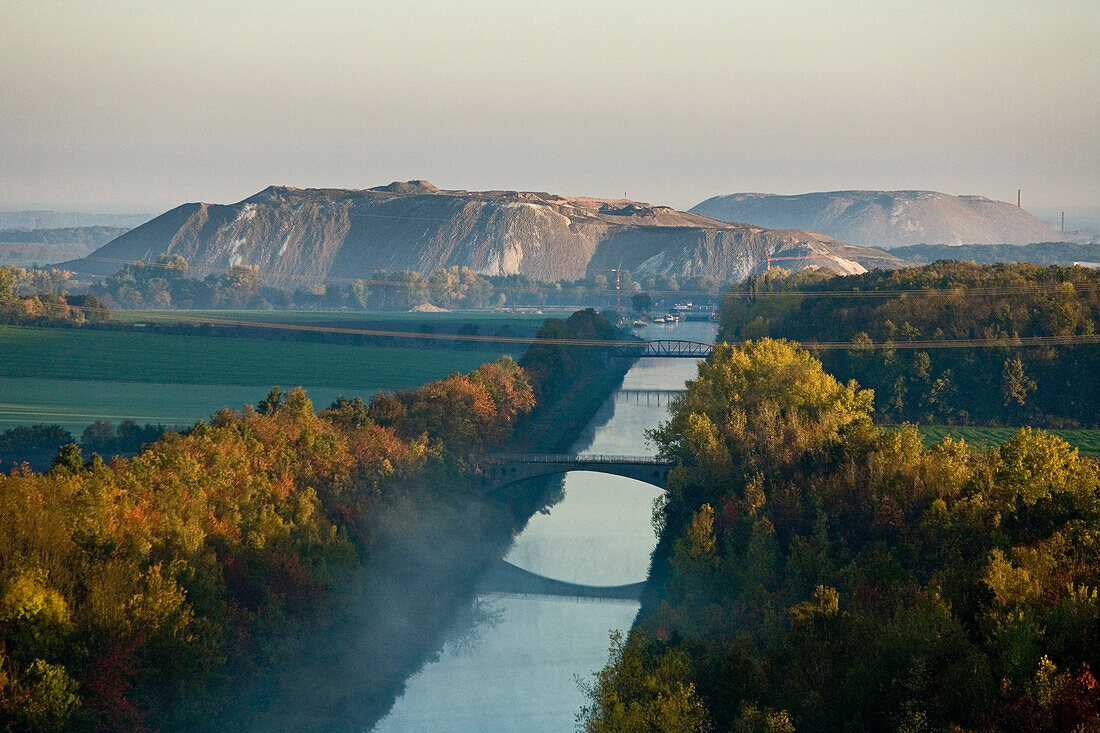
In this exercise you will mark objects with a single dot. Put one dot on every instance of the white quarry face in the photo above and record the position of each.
(415, 226)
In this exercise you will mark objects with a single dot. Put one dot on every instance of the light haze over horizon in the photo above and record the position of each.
(126, 106)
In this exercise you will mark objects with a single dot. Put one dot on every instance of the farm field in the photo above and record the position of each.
(74, 404)
(73, 377)
(1087, 441)
(487, 322)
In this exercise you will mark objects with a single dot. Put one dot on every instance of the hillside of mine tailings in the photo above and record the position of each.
(289, 233)
(885, 219)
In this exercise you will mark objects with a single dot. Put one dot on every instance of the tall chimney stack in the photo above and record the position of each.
(1063, 222)
(1019, 197)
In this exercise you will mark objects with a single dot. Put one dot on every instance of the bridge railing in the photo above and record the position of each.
(566, 458)
(628, 392)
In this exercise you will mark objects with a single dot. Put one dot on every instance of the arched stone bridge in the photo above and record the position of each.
(499, 471)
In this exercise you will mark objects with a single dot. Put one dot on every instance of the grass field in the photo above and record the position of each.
(486, 321)
(1087, 441)
(73, 377)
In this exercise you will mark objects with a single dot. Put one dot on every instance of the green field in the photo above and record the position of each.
(1087, 441)
(488, 322)
(74, 376)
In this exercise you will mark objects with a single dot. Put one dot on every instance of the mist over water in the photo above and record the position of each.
(516, 669)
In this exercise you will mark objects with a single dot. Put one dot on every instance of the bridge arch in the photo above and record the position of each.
(511, 580)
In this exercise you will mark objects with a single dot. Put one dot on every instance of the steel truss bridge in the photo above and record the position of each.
(662, 349)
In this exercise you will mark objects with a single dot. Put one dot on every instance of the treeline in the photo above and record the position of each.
(1042, 253)
(816, 573)
(1053, 386)
(35, 297)
(165, 284)
(38, 444)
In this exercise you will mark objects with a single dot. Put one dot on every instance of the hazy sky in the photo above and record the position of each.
(119, 105)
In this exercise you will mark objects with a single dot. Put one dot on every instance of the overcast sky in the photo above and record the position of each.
(136, 106)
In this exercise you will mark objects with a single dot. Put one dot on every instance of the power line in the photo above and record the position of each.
(952, 292)
(1002, 342)
(955, 291)
(994, 342)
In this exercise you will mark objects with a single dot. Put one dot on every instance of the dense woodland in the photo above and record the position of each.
(131, 592)
(816, 573)
(1052, 386)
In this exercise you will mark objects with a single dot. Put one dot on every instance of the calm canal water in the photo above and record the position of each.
(517, 668)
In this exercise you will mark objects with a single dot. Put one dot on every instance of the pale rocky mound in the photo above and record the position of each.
(290, 232)
(885, 219)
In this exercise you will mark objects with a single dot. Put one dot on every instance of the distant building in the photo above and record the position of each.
(1091, 265)
(694, 312)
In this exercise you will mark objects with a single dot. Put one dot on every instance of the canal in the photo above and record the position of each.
(515, 664)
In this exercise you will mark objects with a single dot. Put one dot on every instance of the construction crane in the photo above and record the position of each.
(617, 271)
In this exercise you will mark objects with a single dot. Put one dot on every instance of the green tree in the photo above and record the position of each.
(643, 691)
(7, 283)
(359, 294)
(749, 399)
(1015, 384)
(68, 459)
(268, 405)
(51, 699)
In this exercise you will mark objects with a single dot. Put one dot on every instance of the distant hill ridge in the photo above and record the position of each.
(1040, 253)
(95, 236)
(43, 247)
(38, 219)
(412, 225)
(885, 219)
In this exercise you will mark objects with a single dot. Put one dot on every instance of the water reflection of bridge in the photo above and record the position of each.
(508, 580)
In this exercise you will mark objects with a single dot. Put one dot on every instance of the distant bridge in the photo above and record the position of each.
(499, 471)
(648, 396)
(663, 349)
(508, 580)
